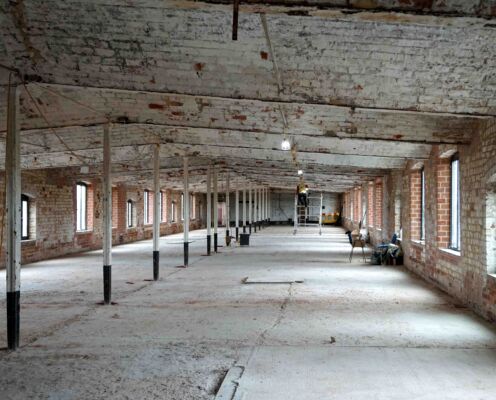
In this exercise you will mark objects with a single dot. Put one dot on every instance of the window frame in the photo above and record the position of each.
(182, 207)
(173, 211)
(81, 220)
(455, 242)
(422, 204)
(130, 212)
(25, 218)
(161, 208)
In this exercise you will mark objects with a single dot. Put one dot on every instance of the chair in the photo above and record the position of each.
(356, 240)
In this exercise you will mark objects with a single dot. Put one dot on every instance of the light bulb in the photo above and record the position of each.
(285, 145)
(300, 172)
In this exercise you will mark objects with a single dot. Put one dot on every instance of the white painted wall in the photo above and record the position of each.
(282, 205)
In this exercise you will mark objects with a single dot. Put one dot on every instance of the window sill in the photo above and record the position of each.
(452, 252)
(28, 241)
(84, 232)
(418, 242)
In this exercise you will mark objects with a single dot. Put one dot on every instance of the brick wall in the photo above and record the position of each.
(467, 275)
(53, 225)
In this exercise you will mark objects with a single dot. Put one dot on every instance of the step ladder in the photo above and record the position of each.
(310, 215)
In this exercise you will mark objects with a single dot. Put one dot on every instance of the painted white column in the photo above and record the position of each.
(236, 199)
(267, 204)
(270, 204)
(255, 209)
(295, 222)
(209, 209)
(13, 217)
(250, 211)
(107, 217)
(264, 200)
(228, 207)
(186, 211)
(216, 209)
(244, 209)
(156, 211)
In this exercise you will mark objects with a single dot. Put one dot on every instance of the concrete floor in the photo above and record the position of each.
(349, 331)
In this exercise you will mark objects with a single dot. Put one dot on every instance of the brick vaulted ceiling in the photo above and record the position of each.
(363, 85)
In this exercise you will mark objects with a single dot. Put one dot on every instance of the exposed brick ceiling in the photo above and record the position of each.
(363, 88)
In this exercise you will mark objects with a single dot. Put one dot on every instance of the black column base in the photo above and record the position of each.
(244, 228)
(237, 234)
(209, 244)
(186, 254)
(249, 228)
(156, 263)
(215, 242)
(107, 283)
(255, 227)
(13, 319)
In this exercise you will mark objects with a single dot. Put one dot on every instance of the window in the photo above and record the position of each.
(182, 206)
(24, 217)
(422, 204)
(455, 204)
(146, 196)
(173, 211)
(491, 226)
(192, 206)
(161, 208)
(130, 213)
(81, 207)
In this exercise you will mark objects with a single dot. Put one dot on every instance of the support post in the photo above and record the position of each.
(295, 222)
(156, 211)
(216, 209)
(186, 211)
(107, 217)
(13, 214)
(250, 209)
(255, 209)
(263, 206)
(235, 20)
(228, 208)
(267, 205)
(236, 199)
(269, 212)
(320, 213)
(244, 210)
(209, 209)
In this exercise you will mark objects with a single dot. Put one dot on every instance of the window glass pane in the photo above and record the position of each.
(455, 205)
(81, 209)
(129, 213)
(182, 206)
(160, 200)
(146, 218)
(24, 219)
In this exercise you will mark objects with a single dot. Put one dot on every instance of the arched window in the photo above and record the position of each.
(25, 217)
(81, 206)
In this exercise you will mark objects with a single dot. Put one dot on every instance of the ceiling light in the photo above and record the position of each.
(285, 145)
(300, 172)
